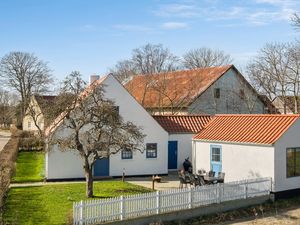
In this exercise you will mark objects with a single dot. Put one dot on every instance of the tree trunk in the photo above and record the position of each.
(89, 182)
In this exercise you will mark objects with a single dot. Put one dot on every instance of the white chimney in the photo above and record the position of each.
(93, 78)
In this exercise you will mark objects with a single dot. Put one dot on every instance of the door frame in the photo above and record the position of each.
(216, 162)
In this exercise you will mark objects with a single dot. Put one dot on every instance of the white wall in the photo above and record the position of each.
(27, 118)
(291, 138)
(67, 165)
(184, 145)
(238, 161)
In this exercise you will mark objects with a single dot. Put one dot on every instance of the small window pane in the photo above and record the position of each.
(217, 93)
(151, 150)
(126, 154)
(216, 154)
(293, 162)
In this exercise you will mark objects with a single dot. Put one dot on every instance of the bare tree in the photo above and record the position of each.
(205, 57)
(148, 59)
(8, 103)
(93, 128)
(26, 74)
(270, 71)
(295, 20)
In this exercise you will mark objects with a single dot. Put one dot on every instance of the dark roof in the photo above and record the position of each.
(183, 123)
(44, 100)
(247, 128)
(271, 109)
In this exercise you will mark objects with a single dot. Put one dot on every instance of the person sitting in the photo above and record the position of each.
(187, 166)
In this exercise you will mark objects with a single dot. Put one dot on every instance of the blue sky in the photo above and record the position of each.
(91, 36)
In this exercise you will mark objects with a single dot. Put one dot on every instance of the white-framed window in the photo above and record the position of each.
(29, 124)
(151, 150)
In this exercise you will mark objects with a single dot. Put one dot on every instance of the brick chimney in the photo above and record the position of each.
(93, 78)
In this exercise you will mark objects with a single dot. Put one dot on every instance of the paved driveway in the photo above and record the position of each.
(4, 137)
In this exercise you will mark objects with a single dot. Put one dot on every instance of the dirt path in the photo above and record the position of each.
(287, 216)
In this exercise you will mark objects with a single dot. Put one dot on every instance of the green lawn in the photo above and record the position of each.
(30, 167)
(52, 204)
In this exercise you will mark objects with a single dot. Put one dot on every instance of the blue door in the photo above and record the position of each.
(101, 168)
(172, 155)
(216, 159)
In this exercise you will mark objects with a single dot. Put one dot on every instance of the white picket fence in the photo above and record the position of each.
(124, 207)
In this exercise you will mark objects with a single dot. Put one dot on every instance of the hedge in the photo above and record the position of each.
(8, 157)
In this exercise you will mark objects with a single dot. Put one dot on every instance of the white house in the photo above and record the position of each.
(68, 165)
(181, 129)
(34, 115)
(250, 146)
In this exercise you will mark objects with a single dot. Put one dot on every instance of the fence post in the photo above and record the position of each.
(219, 192)
(157, 202)
(190, 198)
(122, 208)
(246, 189)
(81, 222)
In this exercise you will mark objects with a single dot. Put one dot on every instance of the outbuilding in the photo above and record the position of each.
(181, 129)
(251, 146)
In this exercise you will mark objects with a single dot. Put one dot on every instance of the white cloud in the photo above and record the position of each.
(183, 10)
(174, 25)
(132, 27)
(87, 27)
(250, 12)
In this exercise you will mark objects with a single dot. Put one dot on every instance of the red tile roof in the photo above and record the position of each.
(173, 88)
(258, 129)
(183, 123)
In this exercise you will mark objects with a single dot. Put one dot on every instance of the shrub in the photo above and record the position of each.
(8, 158)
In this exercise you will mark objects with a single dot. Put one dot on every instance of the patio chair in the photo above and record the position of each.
(211, 173)
(201, 180)
(183, 179)
(221, 177)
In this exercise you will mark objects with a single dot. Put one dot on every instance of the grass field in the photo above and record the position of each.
(52, 204)
(30, 167)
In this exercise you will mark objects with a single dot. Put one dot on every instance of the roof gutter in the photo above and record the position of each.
(234, 143)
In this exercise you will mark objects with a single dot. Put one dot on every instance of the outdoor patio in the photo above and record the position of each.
(167, 182)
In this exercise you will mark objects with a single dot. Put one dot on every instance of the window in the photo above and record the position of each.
(217, 93)
(126, 154)
(242, 94)
(29, 124)
(293, 162)
(117, 109)
(215, 154)
(151, 150)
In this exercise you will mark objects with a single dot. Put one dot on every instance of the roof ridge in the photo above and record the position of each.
(258, 115)
(190, 115)
(185, 70)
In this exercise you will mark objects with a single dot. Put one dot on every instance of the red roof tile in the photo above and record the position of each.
(173, 88)
(259, 129)
(183, 123)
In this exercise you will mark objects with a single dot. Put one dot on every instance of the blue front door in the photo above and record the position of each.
(172, 155)
(216, 158)
(101, 168)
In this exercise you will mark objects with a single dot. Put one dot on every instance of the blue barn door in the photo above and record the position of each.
(216, 159)
(172, 155)
(101, 168)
